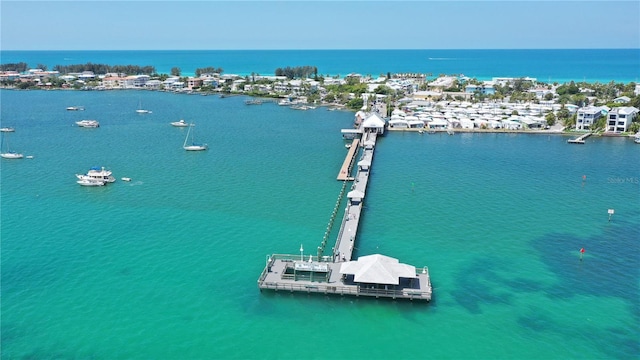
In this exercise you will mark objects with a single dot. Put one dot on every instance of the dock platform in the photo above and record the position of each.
(345, 170)
(580, 139)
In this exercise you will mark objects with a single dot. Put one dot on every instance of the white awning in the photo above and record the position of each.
(355, 194)
(377, 269)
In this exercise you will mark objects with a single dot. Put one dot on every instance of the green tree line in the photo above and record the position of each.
(19, 67)
(103, 69)
(208, 70)
(298, 72)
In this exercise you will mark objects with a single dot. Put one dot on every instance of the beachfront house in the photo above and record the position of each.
(619, 119)
(622, 100)
(504, 81)
(427, 95)
(193, 83)
(484, 89)
(441, 83)
(586, 116)
(133, 81)
(109, 82)
(153, 84)
(540, 92)
(9, 75)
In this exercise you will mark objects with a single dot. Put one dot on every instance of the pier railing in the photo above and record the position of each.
(289, 258)
(348, 290)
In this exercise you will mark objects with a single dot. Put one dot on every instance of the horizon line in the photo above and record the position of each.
(335, 49)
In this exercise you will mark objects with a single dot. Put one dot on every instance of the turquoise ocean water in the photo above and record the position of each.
(165, 266)
(558, 65)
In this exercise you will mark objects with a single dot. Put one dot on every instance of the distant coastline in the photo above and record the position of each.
(548, 65)
(427, 77)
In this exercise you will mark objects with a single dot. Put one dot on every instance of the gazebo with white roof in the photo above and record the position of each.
(377, 270)
(373, 123)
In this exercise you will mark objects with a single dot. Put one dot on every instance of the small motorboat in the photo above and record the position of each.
(88, 123)
(180, 123)
(126, 179)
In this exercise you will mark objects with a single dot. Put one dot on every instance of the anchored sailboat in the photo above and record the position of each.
(141, 110)
(194, 146)
(7, 153)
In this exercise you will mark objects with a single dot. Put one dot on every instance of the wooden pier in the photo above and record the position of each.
(579, 140)
(345, 170)
(374, 275)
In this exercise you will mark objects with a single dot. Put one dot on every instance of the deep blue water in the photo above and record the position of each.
(591, 65)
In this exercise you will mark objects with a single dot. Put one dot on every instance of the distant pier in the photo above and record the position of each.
(337, 273)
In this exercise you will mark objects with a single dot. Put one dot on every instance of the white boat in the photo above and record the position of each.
(180, 123)
(97, 173)
(90, 182)
(7, 153)
(75, 108)
(88, 123)
(636, 138)
(7, 129)
(126, 179)
(11, 155)
(194, 146)
(141, 110)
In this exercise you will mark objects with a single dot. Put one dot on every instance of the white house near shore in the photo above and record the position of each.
(586, 116)
(619, 118)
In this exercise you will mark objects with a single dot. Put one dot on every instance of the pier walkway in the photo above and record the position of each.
(372, 275)
(343, 251)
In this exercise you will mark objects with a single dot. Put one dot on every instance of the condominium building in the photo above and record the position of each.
(586, 116)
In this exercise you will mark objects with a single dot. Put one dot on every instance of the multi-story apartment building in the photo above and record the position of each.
(619, 118)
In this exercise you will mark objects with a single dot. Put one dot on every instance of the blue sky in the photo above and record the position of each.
(268, 24)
